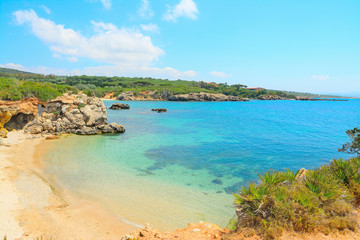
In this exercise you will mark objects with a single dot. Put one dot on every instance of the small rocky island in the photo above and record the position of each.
(78, 114)
(159, 110)
(117, 106)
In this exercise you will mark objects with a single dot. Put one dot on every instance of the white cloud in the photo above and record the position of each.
(109, 70)
(108, 44)
(46, 9)
(145, 10)
(55, 55)
(72, 59)
(185, 8)
(219, 74)
(106, 4)
(320, 77)
(153, 28)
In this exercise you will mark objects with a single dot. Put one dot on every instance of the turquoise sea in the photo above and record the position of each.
(169, 169)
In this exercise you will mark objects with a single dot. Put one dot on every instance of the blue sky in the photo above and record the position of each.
(311, 46)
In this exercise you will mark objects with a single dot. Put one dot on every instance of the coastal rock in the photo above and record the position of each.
(149, 95)
(204, 97)
(77, 114)
(15, 115)
(167, 96)
(159, 110)
(116, 106)
(117, 127)
(319, 99)
(271, 97)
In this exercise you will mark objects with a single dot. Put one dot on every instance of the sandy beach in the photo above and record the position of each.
(32, 206)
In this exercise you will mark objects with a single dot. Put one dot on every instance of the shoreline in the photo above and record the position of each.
(32, 206)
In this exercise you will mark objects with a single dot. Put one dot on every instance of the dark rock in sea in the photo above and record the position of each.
(219, 191)
(159, 110)
(117, 106)
(217, 181)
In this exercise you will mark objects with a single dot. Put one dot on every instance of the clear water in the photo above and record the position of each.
(181, 166)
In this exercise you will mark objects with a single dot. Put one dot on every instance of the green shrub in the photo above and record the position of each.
(323, 200)
(81, 105)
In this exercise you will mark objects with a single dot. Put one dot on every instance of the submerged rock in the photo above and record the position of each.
(117, 106)
(217, 181)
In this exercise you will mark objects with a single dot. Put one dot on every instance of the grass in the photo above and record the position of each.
(321, 201)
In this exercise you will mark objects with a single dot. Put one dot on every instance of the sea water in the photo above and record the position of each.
(169, 169)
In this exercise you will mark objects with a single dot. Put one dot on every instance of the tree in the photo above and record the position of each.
(238, 86)
(353, 146)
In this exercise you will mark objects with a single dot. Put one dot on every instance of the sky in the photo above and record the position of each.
(296, 45)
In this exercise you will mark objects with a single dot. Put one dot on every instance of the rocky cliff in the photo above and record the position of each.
(77, 114)
(166, 96)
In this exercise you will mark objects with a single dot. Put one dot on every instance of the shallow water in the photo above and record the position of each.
(181, 166)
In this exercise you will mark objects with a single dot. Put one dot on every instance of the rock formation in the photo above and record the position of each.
(16, 114)
(204, 97)
(319, 99)
(77, 114)
(117, 106)
(166, 96)
(159, 110)
(272, 97)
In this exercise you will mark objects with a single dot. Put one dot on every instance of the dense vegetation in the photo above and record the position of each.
(317, 200)
(12, 89)
(98, 86)
(353, 146)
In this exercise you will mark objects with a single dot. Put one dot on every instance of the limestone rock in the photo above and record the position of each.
(118, 128)
(152, 95)
(204, 97)
(77, 114)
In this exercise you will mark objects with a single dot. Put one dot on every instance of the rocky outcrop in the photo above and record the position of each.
(272, 97)
(16, 114)
(77, 114)
(117, 106)
(319, 99)
(166, 96)
(150, 95)
(159, 110)
(204, 97)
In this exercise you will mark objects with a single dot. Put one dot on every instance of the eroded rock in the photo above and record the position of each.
(77, 114)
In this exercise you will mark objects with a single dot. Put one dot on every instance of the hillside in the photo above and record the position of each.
(99, 86)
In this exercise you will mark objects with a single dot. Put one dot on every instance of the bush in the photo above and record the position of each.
(11, 89)
(322, 200)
